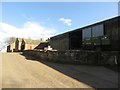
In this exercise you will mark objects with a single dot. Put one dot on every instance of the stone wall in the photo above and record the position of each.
(77, 56)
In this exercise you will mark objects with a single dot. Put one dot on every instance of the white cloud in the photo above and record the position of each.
(66, 21)
(31, 30)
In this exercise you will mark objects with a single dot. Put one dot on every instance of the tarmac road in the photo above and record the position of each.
(20, 71)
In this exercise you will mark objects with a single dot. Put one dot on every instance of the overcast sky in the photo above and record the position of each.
(45, 19)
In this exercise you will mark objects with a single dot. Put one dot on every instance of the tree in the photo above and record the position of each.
(5, 42)
(10, 40)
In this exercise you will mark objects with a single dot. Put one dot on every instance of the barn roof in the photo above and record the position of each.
(42, 45)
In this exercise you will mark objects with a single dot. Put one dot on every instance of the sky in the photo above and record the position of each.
(119, 8)
(45, 19)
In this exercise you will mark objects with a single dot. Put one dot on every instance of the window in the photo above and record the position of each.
(97, 30)
(86, 33)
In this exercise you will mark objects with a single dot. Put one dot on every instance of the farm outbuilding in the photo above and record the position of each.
(103, 35)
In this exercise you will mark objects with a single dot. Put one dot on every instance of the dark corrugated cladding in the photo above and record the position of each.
(60, 42)
(67, 41)
(119, 32)
(73, 39)
(112, 29)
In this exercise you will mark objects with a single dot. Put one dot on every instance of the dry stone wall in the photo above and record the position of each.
(77, 56)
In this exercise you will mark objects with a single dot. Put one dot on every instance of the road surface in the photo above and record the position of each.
(20, 71)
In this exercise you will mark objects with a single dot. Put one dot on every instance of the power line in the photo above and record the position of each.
(2, 47)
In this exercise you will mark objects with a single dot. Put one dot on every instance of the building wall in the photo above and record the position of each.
(11, 47)
(8, 48)
(60, 42)
(67, 41)
(16, 44)
(118, 34)
(19, 46)
(73, 40)
(112, 29)
(29, 46)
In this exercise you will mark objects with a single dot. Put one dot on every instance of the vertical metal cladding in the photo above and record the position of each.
(104, 35)
(118, 33)
(67, 41)
(75, 39)
(60, 42)
(112, 30)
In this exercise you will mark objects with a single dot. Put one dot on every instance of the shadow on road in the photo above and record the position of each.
(94, 76)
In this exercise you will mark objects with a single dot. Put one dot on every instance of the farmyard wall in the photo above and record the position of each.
(77, 56)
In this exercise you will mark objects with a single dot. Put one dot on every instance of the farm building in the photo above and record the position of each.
(103, 35)
(22, 44)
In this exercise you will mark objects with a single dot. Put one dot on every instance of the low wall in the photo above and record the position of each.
(77, 56)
